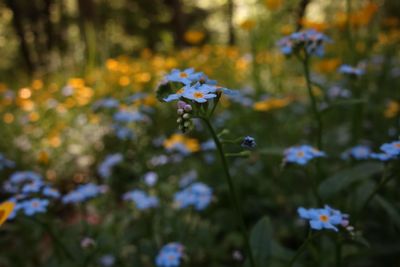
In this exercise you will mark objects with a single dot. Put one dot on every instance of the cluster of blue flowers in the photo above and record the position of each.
(122, 119)
(83, 193)
(5, 163)
(106, 103)
(141, 199)
(105, 168)
(197, 195)
(324, 218)
(310, 40)
(196, 86)
(390, 151)
(302, 154)
(349, 70)
(359, 152)
(170, 255)
(31, 193)
(150, 178)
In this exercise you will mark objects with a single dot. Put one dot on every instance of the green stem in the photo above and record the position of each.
(301, 249)
(314, 186)
(232, 191)
(239, 154)
(314, 106)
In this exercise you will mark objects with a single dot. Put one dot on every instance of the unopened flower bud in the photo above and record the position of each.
(181, 104)
(186, 116)
(180, 111)
(187, 108)
(179, 120)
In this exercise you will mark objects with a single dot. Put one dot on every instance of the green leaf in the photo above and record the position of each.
(261, 241)
(345, 178)
(392, 211)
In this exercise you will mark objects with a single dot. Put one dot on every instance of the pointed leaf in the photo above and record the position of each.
(345, 178)
(392, 211)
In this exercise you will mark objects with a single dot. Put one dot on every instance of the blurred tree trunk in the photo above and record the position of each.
(300, 13)
(34, 23)
(87, 22)
(48, 24)
(19, 29)
(177, 21)
(231, 29)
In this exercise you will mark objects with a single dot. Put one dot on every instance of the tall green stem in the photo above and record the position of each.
(314, 106)
(232, 190)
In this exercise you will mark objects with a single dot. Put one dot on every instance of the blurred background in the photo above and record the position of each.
(42, 36)
(78, 106)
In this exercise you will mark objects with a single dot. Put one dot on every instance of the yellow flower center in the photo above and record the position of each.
(198, 95)
(323, 218)
(183, 75)
(35, 204)
(397, 145)
(180, 91)
(300, 154)
(2, 214)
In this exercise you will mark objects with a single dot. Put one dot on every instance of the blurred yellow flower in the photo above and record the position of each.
(272, 103)
(37, 84)
(124, 81)
(43, 157)
(358, 18)
(287, 29)
(319, 26)
(248, 24)
(112, 64)
(34, 116)
(76, 82)
(328, 65)
(54, 141)
(26, 104)
(273, 4)
(392, 109)
(3, 87)
(175, 140)
(25, 93)
(142, 77)
(194, 37)
(6, 208)
(8, 117)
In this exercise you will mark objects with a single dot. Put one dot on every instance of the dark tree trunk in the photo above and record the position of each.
(19, 29)
(300, 13)
(48, 24)
(177, 21)
(231, 29)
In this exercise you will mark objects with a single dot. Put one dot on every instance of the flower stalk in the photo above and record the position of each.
(313, 100)
(232, 190)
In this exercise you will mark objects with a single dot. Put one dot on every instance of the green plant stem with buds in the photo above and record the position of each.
(314, 106)
(232, 190)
